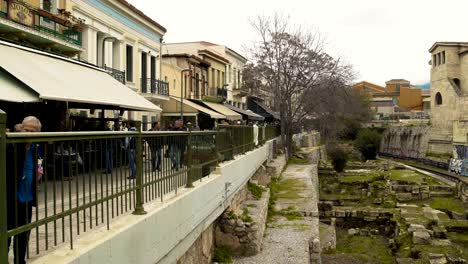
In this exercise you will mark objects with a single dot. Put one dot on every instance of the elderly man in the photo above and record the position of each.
(21, 185)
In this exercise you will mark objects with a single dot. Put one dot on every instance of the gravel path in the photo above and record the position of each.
(287, 241)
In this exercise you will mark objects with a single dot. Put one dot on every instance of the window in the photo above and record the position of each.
(438, 99)
(443, 57)
(47, 5)
(153, 67)
(434, 60)
(223, 80)
(144, 72)
(218, 79)
(129, 67)
(438, 58)
(397, 87)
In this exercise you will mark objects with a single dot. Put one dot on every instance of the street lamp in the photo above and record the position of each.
(182, 93)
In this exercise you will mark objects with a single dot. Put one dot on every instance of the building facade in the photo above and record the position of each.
(41, 24)
(123, 40)
(449, 96)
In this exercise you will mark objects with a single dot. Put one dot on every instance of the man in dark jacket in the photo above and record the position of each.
(22, 175)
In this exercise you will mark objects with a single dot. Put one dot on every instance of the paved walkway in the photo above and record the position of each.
(287, 241)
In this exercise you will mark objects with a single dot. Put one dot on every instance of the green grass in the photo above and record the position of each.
(222, 254)
(290, 213)
(461, 240)
(357, 178)
(255, 190)
(412, 177)
(446, 203)
(369, 249)
(289, 189)
(296, 160)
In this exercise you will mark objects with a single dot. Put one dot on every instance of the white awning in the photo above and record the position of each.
(11, 90)
(192, 107)
(230, 115)
(61, 79)
(250, 115)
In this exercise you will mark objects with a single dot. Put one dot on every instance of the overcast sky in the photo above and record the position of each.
(383, 39)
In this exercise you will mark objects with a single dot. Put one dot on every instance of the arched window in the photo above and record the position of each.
(438, 99)
(457, 82)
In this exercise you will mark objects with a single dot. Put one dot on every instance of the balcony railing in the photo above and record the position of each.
(154, 86)
(87, 179)
(45, 22)
(218, 92)
(118, 75)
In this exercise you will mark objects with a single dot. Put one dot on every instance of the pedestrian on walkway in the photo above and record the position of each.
(130, 145)
(22, 180)
(155, 148)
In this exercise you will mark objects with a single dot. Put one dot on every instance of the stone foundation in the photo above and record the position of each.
(242, 231)
(202, 249)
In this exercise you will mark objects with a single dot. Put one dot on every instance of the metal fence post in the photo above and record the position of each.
(3, 188)
(139, 210)
(191, 170)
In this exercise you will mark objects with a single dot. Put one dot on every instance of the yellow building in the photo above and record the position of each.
(404, 95)
(196, 73)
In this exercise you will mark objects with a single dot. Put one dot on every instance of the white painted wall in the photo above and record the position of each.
(169, 229)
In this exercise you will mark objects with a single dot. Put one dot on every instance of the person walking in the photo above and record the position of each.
(130, 145)
(155, 148)
(22, 180)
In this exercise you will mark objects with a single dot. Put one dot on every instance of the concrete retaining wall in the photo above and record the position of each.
(169, 229)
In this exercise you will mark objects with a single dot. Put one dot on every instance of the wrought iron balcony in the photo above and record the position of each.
(118, 75)
(218, 92)
(154, 86)
(62, 26)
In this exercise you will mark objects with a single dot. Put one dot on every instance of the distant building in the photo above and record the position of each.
(404, 96)
(449, 96)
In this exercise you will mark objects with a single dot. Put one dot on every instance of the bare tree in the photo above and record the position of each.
(291, 63)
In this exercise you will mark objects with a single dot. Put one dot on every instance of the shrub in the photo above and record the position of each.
(368, 142)
(255, 190)
(338, 157)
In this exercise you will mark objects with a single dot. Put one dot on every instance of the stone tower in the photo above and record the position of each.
(449, 96)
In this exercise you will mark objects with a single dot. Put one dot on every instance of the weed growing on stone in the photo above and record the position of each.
(255, 190)
(245, 216)
(232, 215)
(222, 254)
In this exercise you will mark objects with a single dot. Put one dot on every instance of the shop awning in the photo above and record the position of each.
(230, 115)
(11, 90)
(247, 113)
(263, 110)
(58, 78)
(172, 108)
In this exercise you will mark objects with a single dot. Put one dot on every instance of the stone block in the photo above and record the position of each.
(404, 261)
(353, 231)
(458, 216)
(415, 227)
(441, 243)
(437, 258)
(421, 237)
(403, 197)
(439, 232)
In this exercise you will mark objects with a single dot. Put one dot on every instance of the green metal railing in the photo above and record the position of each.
(91, 178)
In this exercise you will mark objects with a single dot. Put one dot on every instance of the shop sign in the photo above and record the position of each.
(20, 13)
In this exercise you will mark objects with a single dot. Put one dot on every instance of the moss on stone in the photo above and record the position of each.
(222, 254)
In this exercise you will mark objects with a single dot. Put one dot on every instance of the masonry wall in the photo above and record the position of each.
(405, 142)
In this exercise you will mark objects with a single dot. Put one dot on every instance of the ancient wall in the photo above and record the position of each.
(202, 249)
(405, 141)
